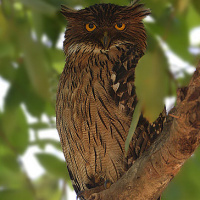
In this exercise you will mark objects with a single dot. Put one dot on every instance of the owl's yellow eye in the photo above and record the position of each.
(120, 26)
(90, 27)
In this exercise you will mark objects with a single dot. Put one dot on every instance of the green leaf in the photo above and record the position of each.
(35, 62)
(52, 28)
(40, 6)
(179, 43)
(152, 82)
(193, 18)
(11, 175)
(9, 194)
(174, 31)
(48, 187)
(196, 5)
(6, 49)
(50, 107)
(184, 81)
(38, 24)
(15, 129)
(134, 123)
(53, 165)
(21, 90)
(57, 58)
(7, 71)
(57, 3)
(44, 142)
(119, 2)
(57, 195)
(181, 6)
(185, 186)
(5, 149)
(4, 25)
(39, 125)
(156, 6)
(9, 162)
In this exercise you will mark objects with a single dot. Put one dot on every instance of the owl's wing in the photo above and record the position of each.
(123, 78)
(124, 94)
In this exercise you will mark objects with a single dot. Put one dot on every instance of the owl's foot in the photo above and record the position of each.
(85, 194)
(107, 184)
(79, 195)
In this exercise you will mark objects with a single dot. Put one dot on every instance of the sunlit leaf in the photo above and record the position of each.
(4, 25)
(15, 129)
(9, 194)
(152, 82)
(11, 176)
(58, 59)
(53, 165)
(134, 123)
(35, 63)
(45, 142)
(5, 149)
(119, 2)
(49, 26)
(156, 6)
(50, 107)
(177, 37)
(6, 49)
(57, 195)
(193, 18)
(185, 186)
(57, 3)
(38, 24)
(184, 81)
(39, 125)
(48, 187)
(196, 5)
(174, 31)
(19, 92)
(40, 6)
(7, 70)
(181, 6)
(52, 28)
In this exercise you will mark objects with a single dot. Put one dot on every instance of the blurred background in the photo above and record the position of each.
(32, 164)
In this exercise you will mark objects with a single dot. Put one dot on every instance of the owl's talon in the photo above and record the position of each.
(107, 184)
(79, 194)
(85, 194)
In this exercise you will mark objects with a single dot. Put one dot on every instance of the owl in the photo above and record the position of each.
(96, 95)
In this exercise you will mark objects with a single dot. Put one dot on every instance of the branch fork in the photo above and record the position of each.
(152, 172)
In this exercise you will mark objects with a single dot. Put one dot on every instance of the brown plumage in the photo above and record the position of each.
(96, 94)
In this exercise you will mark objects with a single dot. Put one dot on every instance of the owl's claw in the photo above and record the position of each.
(79, 194)
(85, 194)
(107, 184)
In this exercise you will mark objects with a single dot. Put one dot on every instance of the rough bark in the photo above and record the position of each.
(150, 174)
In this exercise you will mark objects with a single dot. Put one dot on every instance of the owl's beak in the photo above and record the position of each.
(105, 41)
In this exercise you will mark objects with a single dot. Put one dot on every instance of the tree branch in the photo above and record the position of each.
(150, 174)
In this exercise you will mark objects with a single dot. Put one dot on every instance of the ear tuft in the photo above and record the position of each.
(68, 12)
(134, 2)
(138, 10)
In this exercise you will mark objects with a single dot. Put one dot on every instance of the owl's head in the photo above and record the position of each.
(103, 25)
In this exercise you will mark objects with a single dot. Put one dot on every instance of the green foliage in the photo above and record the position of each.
(53, 165)
(136, 116)
(152, 86)
(186, 185)
(16, 132)
(32, 67)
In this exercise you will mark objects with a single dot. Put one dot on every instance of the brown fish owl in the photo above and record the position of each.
(96, 94)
